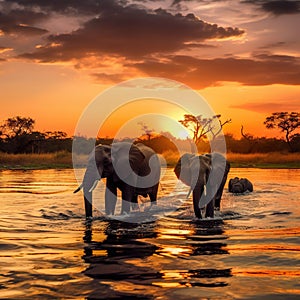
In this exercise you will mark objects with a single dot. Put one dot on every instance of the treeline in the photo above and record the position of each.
(17, 136)
(45, 143)
(243, 145)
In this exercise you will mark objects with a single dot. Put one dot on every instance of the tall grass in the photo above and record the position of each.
(36, 161)
(272, 159)
(265, 159)
(64, 160)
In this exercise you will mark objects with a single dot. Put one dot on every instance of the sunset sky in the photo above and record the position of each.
(57, 56)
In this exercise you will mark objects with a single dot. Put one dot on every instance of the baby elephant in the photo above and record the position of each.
(239, 185)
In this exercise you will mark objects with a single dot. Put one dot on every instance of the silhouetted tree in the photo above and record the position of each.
(16, 126)
(201, 127)
(56, 135)
(286, 122)
(16, 132)
(249, 139)
(147, 131)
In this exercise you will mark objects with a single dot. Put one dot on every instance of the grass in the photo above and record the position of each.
(265, 160)
(36, 161)
(61, 160)
(253, 160)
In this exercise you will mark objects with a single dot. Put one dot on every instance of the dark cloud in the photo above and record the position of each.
(133, 33)
(282, 7)
(273, 45)
(201, 73)
(21, 22)
(264, 107)
(277, 7)
(108, 78)
(73, 7)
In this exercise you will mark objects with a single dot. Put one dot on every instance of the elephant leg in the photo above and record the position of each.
(221, 187)
(220, 192)
(88, 208)
(153, 195)
(110, 197)
(209, 212)
(127, 196)
(196, 199)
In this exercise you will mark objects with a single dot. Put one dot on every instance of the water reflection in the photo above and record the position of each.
(109, 261)
(43, 255)
(208, 238)
(190, 242)
(132, 261)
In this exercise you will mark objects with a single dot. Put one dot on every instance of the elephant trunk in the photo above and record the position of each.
(90, 180)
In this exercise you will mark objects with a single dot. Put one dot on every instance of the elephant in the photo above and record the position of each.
(239, 185)
(134, 169)
(206, 175)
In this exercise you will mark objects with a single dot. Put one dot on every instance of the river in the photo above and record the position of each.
(251, 250)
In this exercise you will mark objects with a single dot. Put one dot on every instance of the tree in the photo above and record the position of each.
(201, 127)
(16, 126)
(286, 122)
(55, 135)
(249, 139)
(16, 133)
(147, 131)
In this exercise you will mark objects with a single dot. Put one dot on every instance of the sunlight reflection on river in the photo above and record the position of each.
(251, 251)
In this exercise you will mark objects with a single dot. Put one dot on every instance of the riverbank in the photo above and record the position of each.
(63, 160)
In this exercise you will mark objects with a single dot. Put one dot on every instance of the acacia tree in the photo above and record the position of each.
(147, 131)
(16, 126)
(201, 127)
(16, 133)
(286, 122)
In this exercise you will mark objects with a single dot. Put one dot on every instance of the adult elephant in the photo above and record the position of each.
(239, 185)
(132, 168)
(206, 175)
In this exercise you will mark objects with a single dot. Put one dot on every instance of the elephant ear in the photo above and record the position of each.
(183, 168)
(126, 159)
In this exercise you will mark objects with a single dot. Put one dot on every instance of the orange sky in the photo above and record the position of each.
(242, 57)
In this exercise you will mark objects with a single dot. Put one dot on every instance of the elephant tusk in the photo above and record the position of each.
(93, 186)
(187, 196)
(78, 189)
(204, 189)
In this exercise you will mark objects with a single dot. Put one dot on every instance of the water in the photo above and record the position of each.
(250, 251)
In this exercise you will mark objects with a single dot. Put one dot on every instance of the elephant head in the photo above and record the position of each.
(121, 161)
(239, 185)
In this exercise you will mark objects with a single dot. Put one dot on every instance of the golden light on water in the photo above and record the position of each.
(237, 271)
(167, 284)
(175, 251)
(171, 233)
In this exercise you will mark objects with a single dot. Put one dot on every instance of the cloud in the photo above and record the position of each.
(69, 7)
(108, 78)
(277, 7)
(281, 7)
(201, 73)
(266, 107)
(131, 32)
(21, 22)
